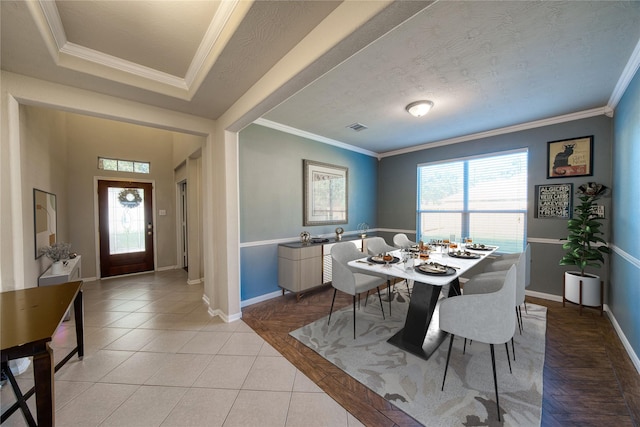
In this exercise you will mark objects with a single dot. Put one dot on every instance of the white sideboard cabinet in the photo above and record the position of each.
(304, 267)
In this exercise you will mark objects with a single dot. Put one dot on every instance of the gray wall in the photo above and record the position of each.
(43, 165)
(271, 198)
(397, 207)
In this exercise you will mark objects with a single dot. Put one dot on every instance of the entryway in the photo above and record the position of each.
(125, 220)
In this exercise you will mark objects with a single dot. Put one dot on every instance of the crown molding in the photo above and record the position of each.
(510, 129)
(93, 62)
(501, 131)
(625, 79)
(309, 135)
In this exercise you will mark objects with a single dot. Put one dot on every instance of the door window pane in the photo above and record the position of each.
(126, 220)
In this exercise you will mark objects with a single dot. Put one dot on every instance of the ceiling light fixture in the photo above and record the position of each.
(419, 108)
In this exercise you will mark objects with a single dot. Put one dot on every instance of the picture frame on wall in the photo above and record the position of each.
(554, 201)
(570, 157)
(325, 196)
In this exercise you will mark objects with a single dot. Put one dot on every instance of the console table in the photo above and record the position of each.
(71, 271)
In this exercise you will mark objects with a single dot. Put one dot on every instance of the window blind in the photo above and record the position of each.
(483, 198)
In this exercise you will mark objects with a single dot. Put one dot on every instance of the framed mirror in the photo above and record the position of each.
(44, 219)
(325, 194)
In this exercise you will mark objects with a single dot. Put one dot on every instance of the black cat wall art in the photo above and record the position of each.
(570, 157)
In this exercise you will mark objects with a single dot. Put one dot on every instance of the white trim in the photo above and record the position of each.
(625, 342)
(260, 298)
(606, 110)
(545, 240)
(323, 236)
(625, 78)
(128, 67)
(628, 257)
(227, 319)
(168, 267)
(542, 295)
(194, 282)
(501, 131)
(197, 68)
(318, 138)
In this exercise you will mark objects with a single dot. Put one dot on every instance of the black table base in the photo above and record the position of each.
(420, 336)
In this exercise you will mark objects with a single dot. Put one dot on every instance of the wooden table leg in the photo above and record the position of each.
(78, 310)
(43, 376)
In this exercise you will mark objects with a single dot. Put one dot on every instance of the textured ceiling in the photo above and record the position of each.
(486, 65)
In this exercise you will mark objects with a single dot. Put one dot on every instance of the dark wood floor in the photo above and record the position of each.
(589, 379)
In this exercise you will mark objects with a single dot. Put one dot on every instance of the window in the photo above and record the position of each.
(123, 165)
(484, 198)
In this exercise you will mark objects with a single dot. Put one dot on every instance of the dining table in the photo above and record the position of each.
(421, 334)
(30, 318)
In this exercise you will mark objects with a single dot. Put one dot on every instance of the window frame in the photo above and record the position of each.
(466, 212)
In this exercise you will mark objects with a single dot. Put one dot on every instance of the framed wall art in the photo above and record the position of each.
(570, 157)
(44, 219)
(325, 194)
(554, 201)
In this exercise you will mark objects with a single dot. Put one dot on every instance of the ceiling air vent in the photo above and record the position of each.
(357, 127)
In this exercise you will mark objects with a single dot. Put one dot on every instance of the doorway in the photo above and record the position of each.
(184, 237)
(125, 223)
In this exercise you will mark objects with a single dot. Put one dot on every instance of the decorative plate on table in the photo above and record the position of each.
(435, 269)
(380, 260)
(480, 247)
(464, 255)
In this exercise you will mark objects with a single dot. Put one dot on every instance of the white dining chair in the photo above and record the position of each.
(348, 281)
(401, 241)
(376, 246)
(504, 263)
(485, 317)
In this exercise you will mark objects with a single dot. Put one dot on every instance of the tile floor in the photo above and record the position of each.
(154, 357)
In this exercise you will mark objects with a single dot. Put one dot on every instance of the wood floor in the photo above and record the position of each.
(589, 379)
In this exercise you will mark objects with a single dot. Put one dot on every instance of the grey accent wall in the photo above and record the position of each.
(397, 183)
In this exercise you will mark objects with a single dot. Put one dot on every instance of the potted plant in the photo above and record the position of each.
(57, 253)
(585, 248)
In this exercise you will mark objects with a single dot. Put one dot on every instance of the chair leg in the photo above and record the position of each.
(525, 307)
(464, 347)
(521, 319)
(332, 301)
(380, 299)
(495, 378)
(506, 346)
(446, 366)
(408, 288)
(513, 348)
(389, 294)
(354, 317)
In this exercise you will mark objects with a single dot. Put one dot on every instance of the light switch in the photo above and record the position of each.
(162, 212)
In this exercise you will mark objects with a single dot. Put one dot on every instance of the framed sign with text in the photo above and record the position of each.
(554, 201)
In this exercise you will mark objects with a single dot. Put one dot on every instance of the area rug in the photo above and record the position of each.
(413, 384)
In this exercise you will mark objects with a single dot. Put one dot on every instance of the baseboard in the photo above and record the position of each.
(261, 298)
(194, 282)
(542, 295)
(625, 342)
(221, 314)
